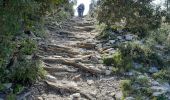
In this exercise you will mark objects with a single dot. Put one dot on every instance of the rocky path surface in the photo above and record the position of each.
(72, 58)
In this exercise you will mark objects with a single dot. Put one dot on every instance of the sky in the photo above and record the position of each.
(87, 3)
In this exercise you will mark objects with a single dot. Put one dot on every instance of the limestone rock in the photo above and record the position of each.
(7, 85)
(75, 96)
(51, 78)
(112, 41)
(129, 37)
(120, 37)
(153, 70)
(108, 72)
(77, 78)
(129, 98)
(137, 65)
(90, 82)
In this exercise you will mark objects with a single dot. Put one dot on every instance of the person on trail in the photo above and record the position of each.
(80, 10)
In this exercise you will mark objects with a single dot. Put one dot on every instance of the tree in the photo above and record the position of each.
(17, 18)
(135, 14)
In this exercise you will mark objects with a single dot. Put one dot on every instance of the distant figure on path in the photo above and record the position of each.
(80, 10)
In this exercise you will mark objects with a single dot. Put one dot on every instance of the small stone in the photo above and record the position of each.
(7, 85)
(155, 83)
(129, 98)
(75, 96)
(129, 37)
(90, 82)
(94, 59)
(1, 99)
(113, 94)
(51, 78)
(108, 72)
(137, 65)
(119, 95)
(99, 46)
(156, 94)
(77, 78)
(110, 68)
(94, 93)
(39, 98)
(129, 73)
(153, 70)
(29, 57)
(120, 37)
(112, 41)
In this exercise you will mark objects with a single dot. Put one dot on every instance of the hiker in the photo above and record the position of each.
(80, 10)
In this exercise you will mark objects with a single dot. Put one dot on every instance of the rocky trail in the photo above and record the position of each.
(72, 59)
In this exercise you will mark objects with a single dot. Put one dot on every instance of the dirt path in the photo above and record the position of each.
(73, 61)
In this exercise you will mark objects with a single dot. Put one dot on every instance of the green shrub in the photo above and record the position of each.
(140, 53)
(119, 62)
(11, 96)
(142, 80)
(163, 74)
(126, 87)
(28, 47)
(27, 71)
(108, 61)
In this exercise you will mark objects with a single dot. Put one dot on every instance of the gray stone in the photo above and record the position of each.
(112, 41)
(50, 78)
(156, 94)
(129, 98)
(108, 72)
(129, 37)
(153, 70)
(77, 78)
(155, 83)
(29, 57)
(39, 98)
(90, 82)
(1, 99)
(119, 95)
(137, 65)
(160, 47)
(120, 37)
(129, 73)
(7, 85)
(94, 59)
(75, 96)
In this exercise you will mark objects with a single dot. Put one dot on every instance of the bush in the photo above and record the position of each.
(108, 61)
(118, 61)
(140, 53)
(163, 74)
(27, 71)
(126, 87)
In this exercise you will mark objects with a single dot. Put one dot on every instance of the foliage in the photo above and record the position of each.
(18, 18)
(125, 86)
(119, 62)
(140, 53)
(137, 15)
(163, 74)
